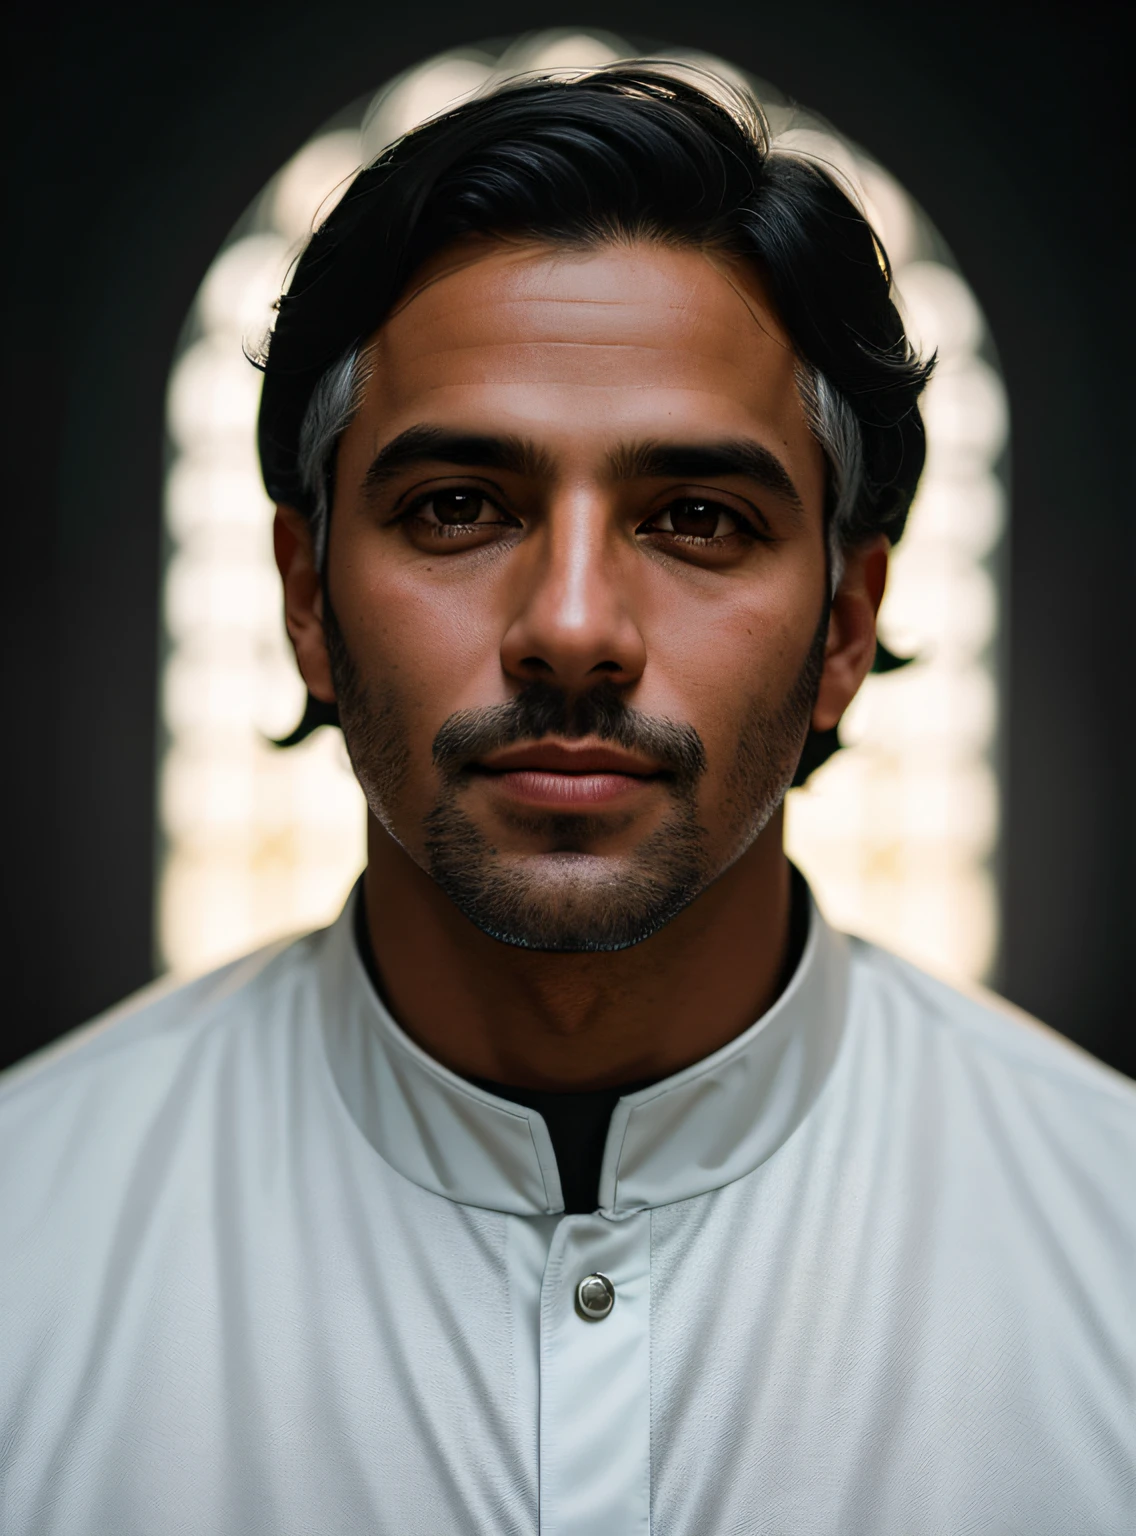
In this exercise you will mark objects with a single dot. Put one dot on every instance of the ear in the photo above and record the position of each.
(303, 600)
(851, 631)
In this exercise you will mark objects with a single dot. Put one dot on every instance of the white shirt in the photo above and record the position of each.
(271, 1270)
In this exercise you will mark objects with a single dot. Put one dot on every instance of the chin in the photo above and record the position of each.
(572, 937)
(571, 904)
(568, 901)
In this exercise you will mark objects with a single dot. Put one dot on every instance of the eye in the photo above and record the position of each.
(693, 520)
(454, 509)
(454, 512)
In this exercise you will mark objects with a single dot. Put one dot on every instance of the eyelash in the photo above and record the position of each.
(742, 526)
(451, 530)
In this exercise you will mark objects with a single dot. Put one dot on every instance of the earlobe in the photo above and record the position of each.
(851, 631)
(303, 600)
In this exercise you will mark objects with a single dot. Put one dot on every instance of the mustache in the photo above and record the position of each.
(541, 709)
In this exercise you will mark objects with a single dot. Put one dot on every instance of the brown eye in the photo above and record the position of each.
(695, 519)
(455, 507)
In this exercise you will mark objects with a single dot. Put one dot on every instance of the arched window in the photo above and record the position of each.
(898, 834)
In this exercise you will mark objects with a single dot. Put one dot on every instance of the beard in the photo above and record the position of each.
(566, 900)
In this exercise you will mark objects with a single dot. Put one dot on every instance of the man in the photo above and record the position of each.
(579, 1179)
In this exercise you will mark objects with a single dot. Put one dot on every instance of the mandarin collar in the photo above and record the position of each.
(693, 1132)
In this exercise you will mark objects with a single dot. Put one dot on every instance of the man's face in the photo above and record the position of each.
(577, 568)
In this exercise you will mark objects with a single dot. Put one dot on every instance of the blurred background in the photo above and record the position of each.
(979, 820)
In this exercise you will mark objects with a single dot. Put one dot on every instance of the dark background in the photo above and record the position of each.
(136, 139)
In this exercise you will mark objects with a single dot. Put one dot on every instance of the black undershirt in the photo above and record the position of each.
(578, 1121)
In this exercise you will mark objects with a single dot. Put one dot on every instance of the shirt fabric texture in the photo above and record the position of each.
(270, 1269)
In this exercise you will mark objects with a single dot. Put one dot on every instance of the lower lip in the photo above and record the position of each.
(567, 789)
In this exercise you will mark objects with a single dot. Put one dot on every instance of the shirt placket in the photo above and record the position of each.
(595, 1387)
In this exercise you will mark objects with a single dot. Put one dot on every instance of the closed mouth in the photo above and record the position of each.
(552, 757)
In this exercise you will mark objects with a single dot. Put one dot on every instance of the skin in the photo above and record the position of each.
(697, 598)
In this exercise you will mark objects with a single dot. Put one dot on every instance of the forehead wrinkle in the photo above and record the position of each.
(501, 250)
(499, 247)
(559, 260)
(547, 344)
(695, 348)
(542, 316)
(698, 357)
(723, 269)
(571, 368)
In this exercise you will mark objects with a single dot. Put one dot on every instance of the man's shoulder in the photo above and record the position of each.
(134, 1048)
(986, 1038)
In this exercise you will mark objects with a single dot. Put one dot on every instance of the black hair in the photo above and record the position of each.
(626, 152)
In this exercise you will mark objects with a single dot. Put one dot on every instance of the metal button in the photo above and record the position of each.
(595, 1297)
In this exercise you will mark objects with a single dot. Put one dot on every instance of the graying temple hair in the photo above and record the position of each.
(339, 394)
(331, 410)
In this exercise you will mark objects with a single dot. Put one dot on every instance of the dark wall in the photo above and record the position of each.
(136, 140)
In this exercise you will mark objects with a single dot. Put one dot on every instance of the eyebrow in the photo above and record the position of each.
(648, 460)
(470, 450)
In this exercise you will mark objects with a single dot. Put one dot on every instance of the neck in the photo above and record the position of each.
(489, 1010)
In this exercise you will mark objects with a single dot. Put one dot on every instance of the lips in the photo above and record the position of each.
(557, 757)
(557, 774)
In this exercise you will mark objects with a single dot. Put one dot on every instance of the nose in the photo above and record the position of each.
(572, 623)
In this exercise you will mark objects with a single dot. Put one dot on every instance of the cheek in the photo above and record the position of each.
(719, 654)
(430, 648)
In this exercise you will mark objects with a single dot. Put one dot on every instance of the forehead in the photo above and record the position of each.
(638, 339)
